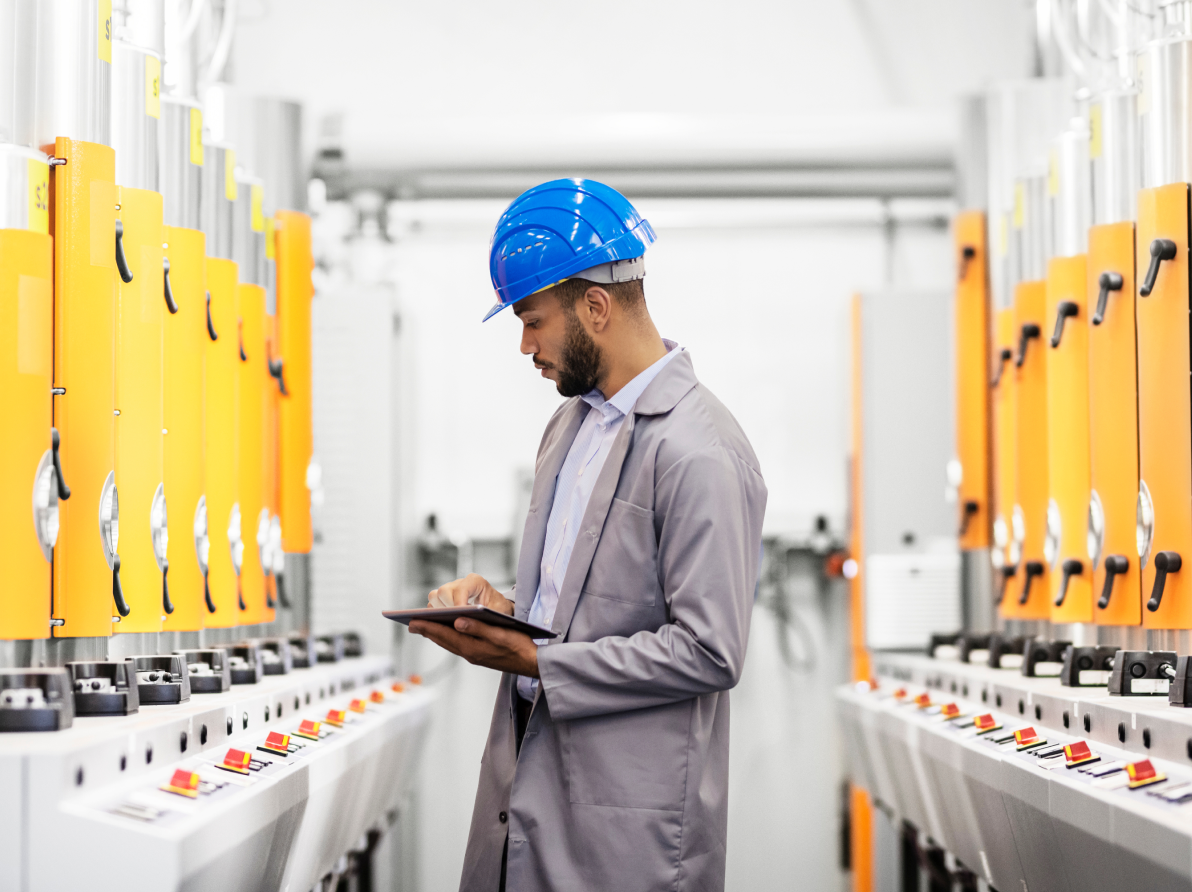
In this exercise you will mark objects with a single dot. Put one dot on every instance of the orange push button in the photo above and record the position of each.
(1079, 753)
(336, 717)
(357, 706)
(1026, 738)
(900, 694)
(950, 711)
(377, 697)
(397, 687)
(237, 761)
(184, 783)
(923, 700)
(277, 743)
(1142, 773)
(986, 723)
(308, 729)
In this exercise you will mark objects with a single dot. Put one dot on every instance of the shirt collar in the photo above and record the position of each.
(623, 400)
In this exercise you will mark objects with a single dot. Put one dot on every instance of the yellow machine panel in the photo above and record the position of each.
(972, 369)
(84, 230)
(222, 420)
(1005, 453)
(1113, 424)
(254, 371)
(1029, 522)
(1164, 513)
(183, 386)
(1067, 375)
(294, 292)
(140, 310)
(26, 376)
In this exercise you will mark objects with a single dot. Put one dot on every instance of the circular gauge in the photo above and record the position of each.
(45, 504)
(1144, 524)
(202, 542)
(1096, 531)
(109, 519)
(159, 527)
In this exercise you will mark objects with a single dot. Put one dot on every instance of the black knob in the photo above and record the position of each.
(276, 370)
(1108, 282)
(1033, 569)
(1115, 565)
(240, 595)
(1161, 249)
(121, 260)
(166, 604)
(117, 592)
(240, 337)
(1029, 331)
(281, 590)
(1065, 310)
(971, 507)
(207, 594)
(269, 602)
(967, 253)
(165, 268)
(1070, 568)
(1007, 574)
(63, 489)
(210, 325)
(1165, 562)
(1003, 357)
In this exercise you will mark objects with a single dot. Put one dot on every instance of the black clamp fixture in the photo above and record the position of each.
(1065, 310)
(967, 254)
(1108, 282)
(970, 642)
(1029, 332)
(1115, 566)
(121, 260)
(1161, 249)
(1038, 651)
(1165, 562)
(211, 333)
(938, 640)
(1071, 567)
(971, 508)
(1008, 572)
(1032, 569)
(1086, 667)
(169, 292)
(1142, 673)
(1001, 646)
(1003, 357)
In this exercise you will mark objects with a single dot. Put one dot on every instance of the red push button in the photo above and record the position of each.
(357, 706)
(950, 711)
(1025, 738)
(184, 783)
(986, 723)
(308, 729)
(237, 761)
(1142, 773)
(277, 743)
(1079, 753)
(336, 717)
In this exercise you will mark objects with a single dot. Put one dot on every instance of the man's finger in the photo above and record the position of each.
(495, 634)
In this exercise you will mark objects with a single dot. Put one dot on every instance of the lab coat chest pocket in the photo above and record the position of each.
(625, 565)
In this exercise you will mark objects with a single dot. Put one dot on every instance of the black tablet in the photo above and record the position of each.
(448, 615)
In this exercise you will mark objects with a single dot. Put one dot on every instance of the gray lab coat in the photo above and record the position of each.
(622, 780)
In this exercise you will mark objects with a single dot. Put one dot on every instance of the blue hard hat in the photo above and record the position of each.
(553, 231)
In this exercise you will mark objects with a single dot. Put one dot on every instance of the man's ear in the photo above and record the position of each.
(598, 306)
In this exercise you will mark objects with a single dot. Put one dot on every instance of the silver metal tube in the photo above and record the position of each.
(278, 153)
(18, 70)
(1069, 189)
(216, 206)
(1165, 109)
(248, 242)
(74, 73)
(1113, 156)
(141, 22)
(181, 162)
(136, 115)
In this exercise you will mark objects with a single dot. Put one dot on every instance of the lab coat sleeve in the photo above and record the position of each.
(709, 507)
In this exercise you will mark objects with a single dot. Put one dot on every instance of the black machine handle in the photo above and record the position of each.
(121, 260)
(210, 327)
(1008, 573)
(971, 507)
(1115, 565)
(1071, 567)
(1165, 562)
(1161, 249)
(1108, 282)
(1033, 569)
(165, 267)
(1066, 309)
(967, 253)
(1002, 358)
(281, 590)
(117, 592)
(240, 337)
(277, 370)
(166, 604)
(207, 594)
(63, 489)
(269, 602)
(240, 595)
(1029, 331)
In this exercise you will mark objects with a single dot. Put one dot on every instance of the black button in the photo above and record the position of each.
(502, 817)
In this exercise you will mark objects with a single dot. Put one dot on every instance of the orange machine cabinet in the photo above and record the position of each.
(1029, 523)
(84, 229)
(295, 262)
(26, 376)
(1006, 552)
(1067, 362)
(1164, 513)
(182, 384)
(972, 369)
(1113, 425)
(140, 305)
(253, 374)
(222, 420)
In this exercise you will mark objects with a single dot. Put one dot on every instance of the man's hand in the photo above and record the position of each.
(484, 645)
(472, 589)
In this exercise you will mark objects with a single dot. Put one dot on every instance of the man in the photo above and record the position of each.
(606, 766)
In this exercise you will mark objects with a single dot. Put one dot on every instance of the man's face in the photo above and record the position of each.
(560, 345)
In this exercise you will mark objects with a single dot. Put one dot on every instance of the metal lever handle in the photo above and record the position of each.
(1004, 357)
(117, 592)
(63, 489)
(1161, 249)
(1033, 569)
(269, 602)
(1165, 562)
(1070, 567)
(276, 370)
(1029, 331)
(210, 327)
(166, 604)
(207, 594)
(971, 507)
(281, 590)
(1065, 310)
(1115, 565)
(121, 260)
(1007, 574)
(240, 337)
(967, 253)
(170, 305)
(1108, 282)
(240, 594)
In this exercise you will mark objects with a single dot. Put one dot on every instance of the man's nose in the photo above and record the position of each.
(529, 346)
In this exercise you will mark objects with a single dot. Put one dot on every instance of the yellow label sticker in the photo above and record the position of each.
(105, 30)
(1019, 205)
(230, 175)
(270, 252)
(153, 86)
(1053, 173)
(39, 196)
(196, 136)
(1095, 130)
(257, 197)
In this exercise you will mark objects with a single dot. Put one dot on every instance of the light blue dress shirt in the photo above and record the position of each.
(577, 478)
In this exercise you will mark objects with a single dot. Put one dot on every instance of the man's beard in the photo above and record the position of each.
(579, 368)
